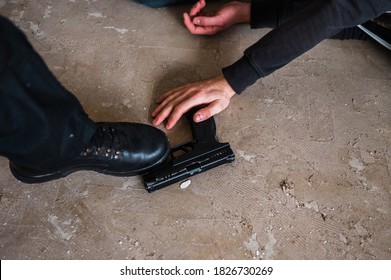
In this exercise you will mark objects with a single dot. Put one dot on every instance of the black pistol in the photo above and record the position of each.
(199, 155)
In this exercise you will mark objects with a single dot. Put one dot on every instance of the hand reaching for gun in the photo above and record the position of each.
(215, 92)
(173, 104)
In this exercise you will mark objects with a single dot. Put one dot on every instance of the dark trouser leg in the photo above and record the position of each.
(163, 3)
(41, 123)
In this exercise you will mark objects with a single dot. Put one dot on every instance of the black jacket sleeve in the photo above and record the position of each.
(300, 25)
(270, 13)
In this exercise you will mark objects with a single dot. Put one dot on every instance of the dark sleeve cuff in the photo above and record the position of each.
(264, 13)
(240, 75)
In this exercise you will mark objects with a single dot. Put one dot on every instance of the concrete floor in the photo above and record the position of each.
(312, 176)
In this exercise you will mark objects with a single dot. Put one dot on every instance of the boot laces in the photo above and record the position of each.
(106, 140)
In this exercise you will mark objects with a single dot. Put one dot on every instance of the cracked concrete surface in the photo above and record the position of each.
(312, 176)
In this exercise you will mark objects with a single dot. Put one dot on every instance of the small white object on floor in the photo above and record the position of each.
(185, 184)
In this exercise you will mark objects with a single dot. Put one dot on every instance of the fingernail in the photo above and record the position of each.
(197, 21)
(198, 117)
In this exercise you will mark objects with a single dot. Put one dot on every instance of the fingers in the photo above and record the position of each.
(167, 102)
(188, 22)
(171, 104)
(196, 9)
(174, 109)
(201, 115)
(207, 112)
(200, 30)
(178, 104)
(207, 21)
(215, 92)
(180, 110)
(216, 106)
(198, 24)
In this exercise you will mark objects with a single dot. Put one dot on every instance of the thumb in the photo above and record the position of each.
(212, 109)
(207, 21)
(202, 115)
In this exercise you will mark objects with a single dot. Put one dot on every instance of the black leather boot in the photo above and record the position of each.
(119, 149)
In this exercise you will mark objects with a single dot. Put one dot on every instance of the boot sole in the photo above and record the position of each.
(58, 174)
